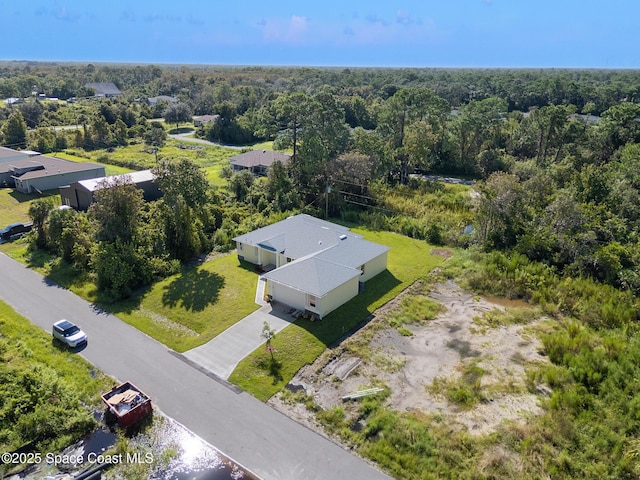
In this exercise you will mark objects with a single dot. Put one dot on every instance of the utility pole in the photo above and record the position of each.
(326, 202)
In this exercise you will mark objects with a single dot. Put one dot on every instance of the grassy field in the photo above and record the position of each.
(139, 156)
(14, 206)
(189, 309)
(109, 169)
(302, 342)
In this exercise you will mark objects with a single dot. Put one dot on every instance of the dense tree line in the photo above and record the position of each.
(125, 242)
(555, 151)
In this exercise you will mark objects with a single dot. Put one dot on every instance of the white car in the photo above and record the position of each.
(68, 333)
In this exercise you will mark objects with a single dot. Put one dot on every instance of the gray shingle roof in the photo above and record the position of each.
(325, 255)
(297, 236)
(352, 252)
(10, 153)
(104, 88)
(312, 275)
(44, 166)
(254, 158)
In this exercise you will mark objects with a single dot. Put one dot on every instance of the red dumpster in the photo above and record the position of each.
(128, 403)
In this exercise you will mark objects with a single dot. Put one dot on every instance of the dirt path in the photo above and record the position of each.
(418, 368)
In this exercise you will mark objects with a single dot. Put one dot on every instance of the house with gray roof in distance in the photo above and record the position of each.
(40, 173)
(80, 195)
(257, 161)
(104, 89)
(161, 98)
(311, 265)
(201, 120)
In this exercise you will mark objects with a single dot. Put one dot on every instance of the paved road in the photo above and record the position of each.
(245, 429)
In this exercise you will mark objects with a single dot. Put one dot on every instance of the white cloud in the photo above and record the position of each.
(371, 30)
(294, 30)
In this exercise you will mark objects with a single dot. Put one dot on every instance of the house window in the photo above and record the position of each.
(239, 246)
(311, 300)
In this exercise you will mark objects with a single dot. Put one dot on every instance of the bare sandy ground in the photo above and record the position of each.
(436, 352)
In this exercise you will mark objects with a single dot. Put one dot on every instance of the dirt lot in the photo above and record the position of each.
(418, 368)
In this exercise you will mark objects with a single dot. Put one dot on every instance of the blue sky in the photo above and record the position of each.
(410, 33)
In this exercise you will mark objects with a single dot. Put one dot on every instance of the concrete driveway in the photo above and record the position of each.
(221, 355)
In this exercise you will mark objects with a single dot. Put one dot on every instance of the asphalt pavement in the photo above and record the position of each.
(250, 432)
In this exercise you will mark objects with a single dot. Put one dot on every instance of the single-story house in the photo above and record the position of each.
(200, 120)
(104, 89)
(312, 265)
(161, 98)
(79, 195)
(257, 161)
(40, 173)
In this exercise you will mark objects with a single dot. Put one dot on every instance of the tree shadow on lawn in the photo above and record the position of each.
(26, 197)
(194, 290)
(353, 315)
(180, 130)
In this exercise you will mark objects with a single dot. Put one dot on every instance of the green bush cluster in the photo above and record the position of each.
(513, 275)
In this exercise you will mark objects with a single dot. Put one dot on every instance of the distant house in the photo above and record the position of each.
(13, 101)
(40, 173)
(200, 120)
(161, 98)
(79, 195)
(257, 161)
(104, 89)
(312, 265)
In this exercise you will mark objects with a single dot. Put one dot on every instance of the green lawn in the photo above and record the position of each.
(189, 309)
(14, 206)
(302, 342)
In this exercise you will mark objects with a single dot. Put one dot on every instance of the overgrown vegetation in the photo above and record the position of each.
(46, 392)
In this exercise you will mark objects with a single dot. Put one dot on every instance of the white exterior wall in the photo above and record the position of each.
(287, 295)
(248, 252)
(374, 266)
(338, 296)
(267, 257)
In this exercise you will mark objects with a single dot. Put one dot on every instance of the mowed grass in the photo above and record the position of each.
(47, 384)
(191, 308)
(14, 206)
(302, 342)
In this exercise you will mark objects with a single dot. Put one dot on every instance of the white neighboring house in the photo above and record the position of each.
(312, 265)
